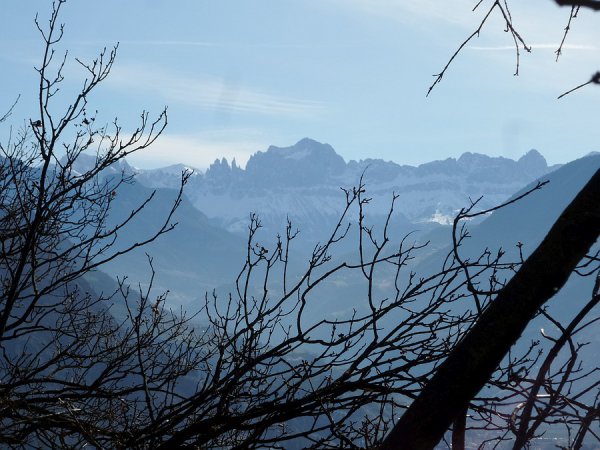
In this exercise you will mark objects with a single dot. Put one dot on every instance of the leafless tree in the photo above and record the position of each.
(551, 390)
(267, 368)
(532, 395)
(67, 365)
(503, 8)
(262, 372)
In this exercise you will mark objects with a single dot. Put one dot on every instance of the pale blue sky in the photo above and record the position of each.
(238, 76)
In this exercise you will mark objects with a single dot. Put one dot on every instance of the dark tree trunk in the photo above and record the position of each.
(458, 431)
(471, 364)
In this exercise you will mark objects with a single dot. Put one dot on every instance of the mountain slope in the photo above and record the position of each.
(189, 260)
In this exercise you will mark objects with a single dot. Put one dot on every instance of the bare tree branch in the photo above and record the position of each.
(591, 4)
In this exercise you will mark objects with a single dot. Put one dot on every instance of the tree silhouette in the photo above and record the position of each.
(86, 361)
(471, 364)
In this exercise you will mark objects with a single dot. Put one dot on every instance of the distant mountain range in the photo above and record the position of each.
(303, 182)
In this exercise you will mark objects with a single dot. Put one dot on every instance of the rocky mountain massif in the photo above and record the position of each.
(303, 182)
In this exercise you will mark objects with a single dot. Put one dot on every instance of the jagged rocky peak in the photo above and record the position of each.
(533, 162)
(377, 170)
(219, 166)
(220, 174)
(307, 162)
(307, 149)
(474, 161)
(234, 166)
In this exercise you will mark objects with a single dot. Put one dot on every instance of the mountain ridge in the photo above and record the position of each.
(303, 181)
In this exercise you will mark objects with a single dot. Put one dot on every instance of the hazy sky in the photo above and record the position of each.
(238, 76)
